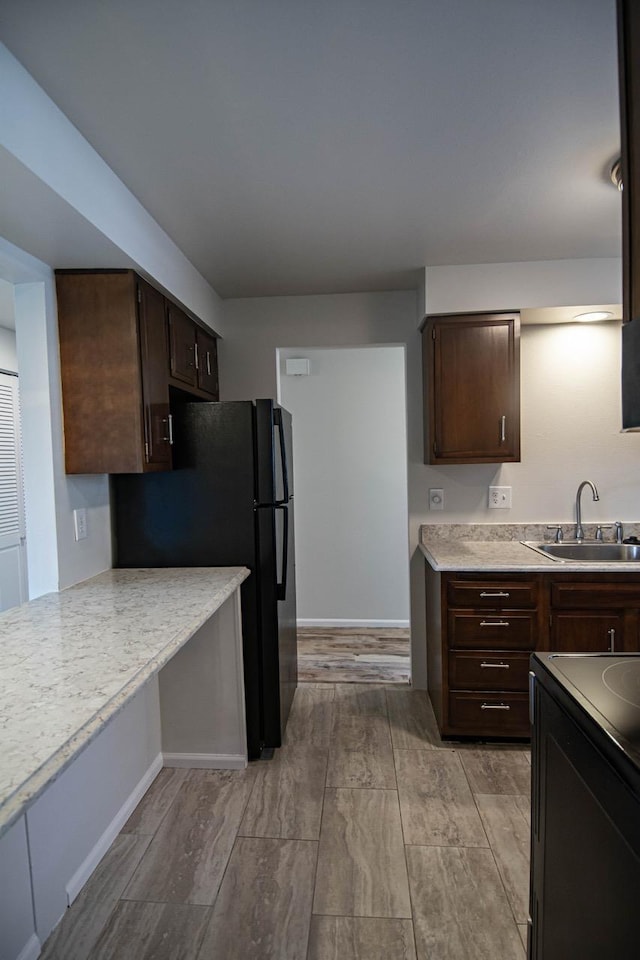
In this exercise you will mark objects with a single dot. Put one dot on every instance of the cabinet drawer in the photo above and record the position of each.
(489, 671)
(490, 714)
(496, 596)
(495, 631)
(597, 594)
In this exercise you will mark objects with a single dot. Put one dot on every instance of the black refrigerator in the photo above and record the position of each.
(228, 502)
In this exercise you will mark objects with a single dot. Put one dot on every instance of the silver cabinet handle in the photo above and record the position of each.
(500, 593)
(496, 666)
(612, 639)
(195, 354)
(503, 429)
(169, 422)
(495, 706)
(495, 623)
(208, 364)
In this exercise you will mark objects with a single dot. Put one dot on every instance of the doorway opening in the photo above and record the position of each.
(351, 523)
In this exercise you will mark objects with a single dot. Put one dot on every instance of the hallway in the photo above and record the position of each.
(364, 839)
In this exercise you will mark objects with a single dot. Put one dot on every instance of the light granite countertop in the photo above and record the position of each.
(497, 547)
(70, 661)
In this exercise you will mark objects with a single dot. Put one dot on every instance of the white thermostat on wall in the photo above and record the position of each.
(297, 367)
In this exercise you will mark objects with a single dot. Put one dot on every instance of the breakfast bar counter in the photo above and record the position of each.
(71, 660)
(100, 685)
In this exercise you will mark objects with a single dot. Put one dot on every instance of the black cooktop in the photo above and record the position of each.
(610, 685)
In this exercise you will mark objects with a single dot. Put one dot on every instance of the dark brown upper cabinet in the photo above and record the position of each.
(117, 370)
(207, 362)
(193, 355)
(182, 343)
(471, 366)
(629, 74)
(113, 358)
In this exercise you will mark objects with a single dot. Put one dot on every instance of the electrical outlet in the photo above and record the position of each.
(80, 523)
(436, 499)
(499, 498)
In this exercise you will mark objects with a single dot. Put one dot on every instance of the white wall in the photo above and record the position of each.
(570, 394)
(514, 286)
(350, 468)
(557, 452)
(256, 328)
(54, 559)
(8, 355)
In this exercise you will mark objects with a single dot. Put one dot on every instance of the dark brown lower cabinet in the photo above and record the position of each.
(586, 631)
(482, 629)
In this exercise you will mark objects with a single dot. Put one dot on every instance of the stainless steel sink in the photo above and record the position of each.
(588, 552)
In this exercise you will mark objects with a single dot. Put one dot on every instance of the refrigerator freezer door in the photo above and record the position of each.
(274, 475)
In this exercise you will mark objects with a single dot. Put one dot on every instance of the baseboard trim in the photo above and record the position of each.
(383, 624)
(31, 950)
(206, 761)
(97, 852)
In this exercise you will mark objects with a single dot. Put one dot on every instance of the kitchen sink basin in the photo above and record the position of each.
(588, 552)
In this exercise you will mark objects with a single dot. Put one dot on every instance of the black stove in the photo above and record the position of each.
(585, 819)
(607, 687)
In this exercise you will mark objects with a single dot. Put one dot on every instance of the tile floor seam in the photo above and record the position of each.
(404, 846)
(122, 896)
(493, 854)
(173, 799)
(495, 858)
(212, 905)
(324, 794)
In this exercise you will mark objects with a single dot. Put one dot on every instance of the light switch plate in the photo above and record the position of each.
(499, 498)
(80, 523)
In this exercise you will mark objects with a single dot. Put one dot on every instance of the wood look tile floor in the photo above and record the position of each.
(366, 838)
(353, 655)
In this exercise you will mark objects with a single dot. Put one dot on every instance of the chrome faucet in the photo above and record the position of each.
(585, 483)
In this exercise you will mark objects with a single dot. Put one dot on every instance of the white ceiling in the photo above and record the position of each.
(297, 146)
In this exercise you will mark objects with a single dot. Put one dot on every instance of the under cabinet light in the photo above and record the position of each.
(593, 316)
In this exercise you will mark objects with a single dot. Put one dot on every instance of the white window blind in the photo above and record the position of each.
(10, 514)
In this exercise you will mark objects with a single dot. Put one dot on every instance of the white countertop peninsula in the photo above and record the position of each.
(497, 547)
(71, 661)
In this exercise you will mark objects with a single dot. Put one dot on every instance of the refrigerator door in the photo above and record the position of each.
(278, 616)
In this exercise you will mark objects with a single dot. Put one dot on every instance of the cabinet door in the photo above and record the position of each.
(629, 72)
(207, 362)
(472, 369)
(155, 391)
(575, 631)
(182, 345)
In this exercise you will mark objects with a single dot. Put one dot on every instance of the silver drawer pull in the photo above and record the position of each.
(499, 594)
(495, 623)
(498, 666)
(495, 706)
